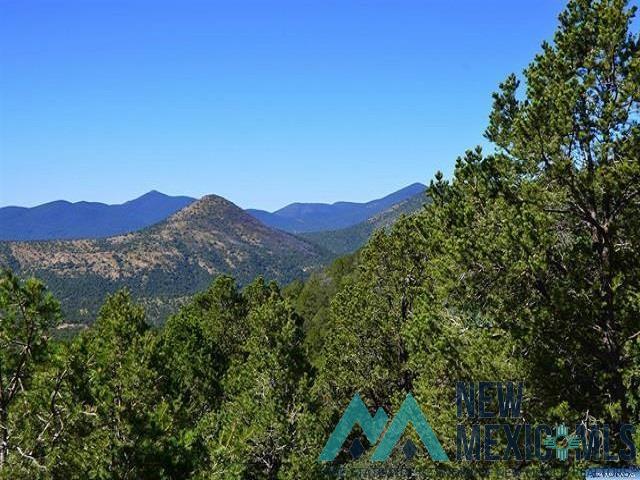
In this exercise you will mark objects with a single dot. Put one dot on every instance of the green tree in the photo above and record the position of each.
(312, 301)
(196, 347)
(567, 160)
(28, 313)
(124, 421)
(198, 343)
(257, 432)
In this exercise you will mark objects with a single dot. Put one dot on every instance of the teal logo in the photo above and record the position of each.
(562, 442)
(374, 426)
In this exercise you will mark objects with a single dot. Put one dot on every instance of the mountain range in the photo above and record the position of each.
(165, 262)
(314, 217)
(349, 239)
(65, 220)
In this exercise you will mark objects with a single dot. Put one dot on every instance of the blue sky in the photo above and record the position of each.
(262, 102)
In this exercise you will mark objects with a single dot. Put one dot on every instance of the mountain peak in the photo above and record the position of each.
(154, 193)
(210, 211)
(150, 196)
(63, 220)
(208, 204)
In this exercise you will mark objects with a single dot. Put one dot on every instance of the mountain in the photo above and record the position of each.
(164, 263)
(65, 220)
(167, 255)
(348, 240)
(313, 217)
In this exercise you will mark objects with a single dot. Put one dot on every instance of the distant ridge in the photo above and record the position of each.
(314, 217)
(349, 239)
(62, 220)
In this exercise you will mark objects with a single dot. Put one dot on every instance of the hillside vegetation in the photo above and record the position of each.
(348, 240)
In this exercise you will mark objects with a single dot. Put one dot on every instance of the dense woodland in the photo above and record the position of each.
(524, 266)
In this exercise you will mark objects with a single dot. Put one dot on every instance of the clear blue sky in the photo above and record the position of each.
(262, 102)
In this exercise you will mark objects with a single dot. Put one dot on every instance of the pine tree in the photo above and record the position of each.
(28, 313)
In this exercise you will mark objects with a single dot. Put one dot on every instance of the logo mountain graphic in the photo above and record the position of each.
(357, 414)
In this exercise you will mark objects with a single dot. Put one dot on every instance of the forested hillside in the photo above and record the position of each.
(349, 239)
(523, 266)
